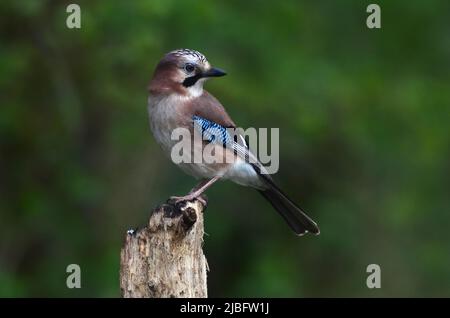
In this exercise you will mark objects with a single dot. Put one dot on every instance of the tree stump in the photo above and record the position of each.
(165, 259)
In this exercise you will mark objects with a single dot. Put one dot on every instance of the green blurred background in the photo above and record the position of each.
(365, 142)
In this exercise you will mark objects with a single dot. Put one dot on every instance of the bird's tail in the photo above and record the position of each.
(291, 213)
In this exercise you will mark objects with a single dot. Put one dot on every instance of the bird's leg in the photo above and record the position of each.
(197, 191)
(199, 185)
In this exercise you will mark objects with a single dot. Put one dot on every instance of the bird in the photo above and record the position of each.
(178, 100)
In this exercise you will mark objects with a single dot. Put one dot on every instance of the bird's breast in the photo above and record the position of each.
(166, 115)
(169, 113)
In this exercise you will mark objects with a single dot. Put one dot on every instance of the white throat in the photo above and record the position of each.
(196, 90)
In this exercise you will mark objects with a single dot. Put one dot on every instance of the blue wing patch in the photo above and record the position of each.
(212, 131)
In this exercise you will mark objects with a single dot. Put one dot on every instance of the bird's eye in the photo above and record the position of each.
(189, 67)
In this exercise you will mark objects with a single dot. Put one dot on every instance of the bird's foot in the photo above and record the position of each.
(189, 197)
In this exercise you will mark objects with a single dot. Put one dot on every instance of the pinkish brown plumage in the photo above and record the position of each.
(177, 100)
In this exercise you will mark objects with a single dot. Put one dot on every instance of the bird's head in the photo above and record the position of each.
(182, 72)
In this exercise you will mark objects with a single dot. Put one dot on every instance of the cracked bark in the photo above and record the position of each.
(165, 258)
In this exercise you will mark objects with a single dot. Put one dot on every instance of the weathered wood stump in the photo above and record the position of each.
(165, 259)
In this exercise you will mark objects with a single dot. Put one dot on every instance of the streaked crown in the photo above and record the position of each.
(188, 54)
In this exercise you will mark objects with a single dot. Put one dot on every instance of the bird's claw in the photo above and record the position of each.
(177, 200)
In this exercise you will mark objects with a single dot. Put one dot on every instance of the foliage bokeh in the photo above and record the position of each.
(365, 142)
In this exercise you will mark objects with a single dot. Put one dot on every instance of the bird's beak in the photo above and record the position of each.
(214, 72)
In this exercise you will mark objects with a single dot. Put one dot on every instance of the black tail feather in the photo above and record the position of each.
(292, 214)
(299, 222)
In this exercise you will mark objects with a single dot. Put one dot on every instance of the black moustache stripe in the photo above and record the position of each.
(189, 81)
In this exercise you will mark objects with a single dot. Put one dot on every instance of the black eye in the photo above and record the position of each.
(189, 67)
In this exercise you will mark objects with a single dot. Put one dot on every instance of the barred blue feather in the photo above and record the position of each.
(212, 131)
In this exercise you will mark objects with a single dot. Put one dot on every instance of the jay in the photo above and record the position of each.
(177, 100)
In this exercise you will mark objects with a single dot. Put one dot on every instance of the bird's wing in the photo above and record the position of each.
(214, 123)
(208, 107)
(228, 137)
